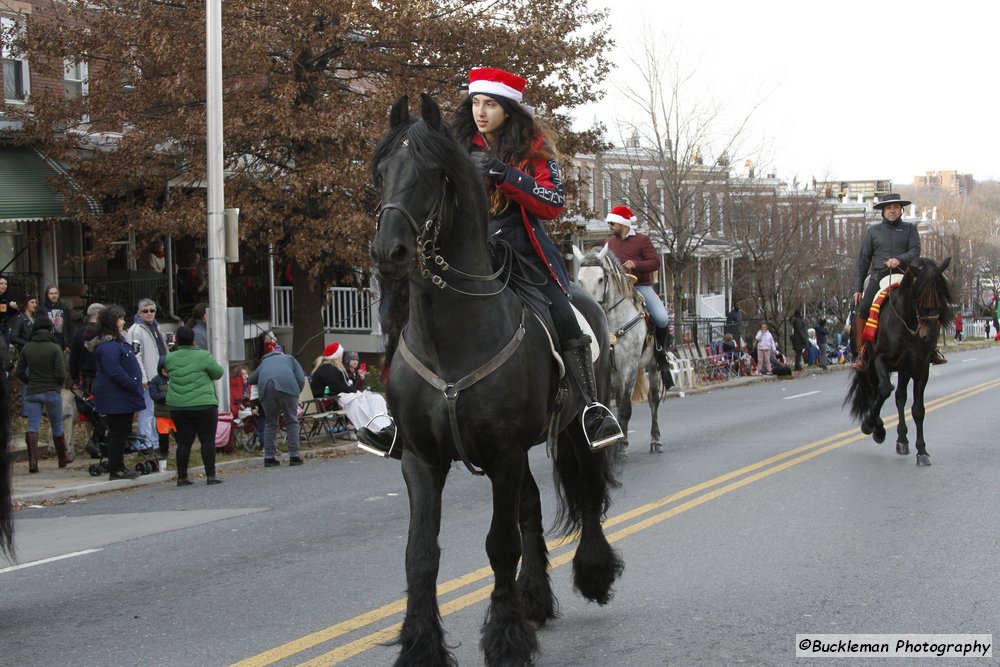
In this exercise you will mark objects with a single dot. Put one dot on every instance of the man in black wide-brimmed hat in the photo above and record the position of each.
(887, 247)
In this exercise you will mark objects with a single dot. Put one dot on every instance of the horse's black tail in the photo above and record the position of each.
(6, 518)
(863, 392)
(583, 481)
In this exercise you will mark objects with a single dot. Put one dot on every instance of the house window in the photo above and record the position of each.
(16, 82)
(75, 79)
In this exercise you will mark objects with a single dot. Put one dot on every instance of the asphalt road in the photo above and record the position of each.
(768, 515)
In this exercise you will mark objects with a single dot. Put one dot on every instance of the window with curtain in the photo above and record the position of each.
(16, 83)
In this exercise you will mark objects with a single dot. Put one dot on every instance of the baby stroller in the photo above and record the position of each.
(97, 443)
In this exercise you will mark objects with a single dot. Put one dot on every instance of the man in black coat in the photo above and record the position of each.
(799, 338)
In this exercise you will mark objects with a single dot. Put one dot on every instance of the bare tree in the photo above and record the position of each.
(679, 193)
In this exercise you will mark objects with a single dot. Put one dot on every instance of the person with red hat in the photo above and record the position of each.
(508, 146)
(638, 256)
(363, 407)
(279, 379)
(518, 164)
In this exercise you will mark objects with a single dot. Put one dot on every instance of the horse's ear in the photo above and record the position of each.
(430, 111)
(944, 264)
(602, 253)
(577, 254)
(400, 112)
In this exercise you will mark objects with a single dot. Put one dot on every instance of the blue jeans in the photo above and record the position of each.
(657, 311)
(52, 402)
(147, 421)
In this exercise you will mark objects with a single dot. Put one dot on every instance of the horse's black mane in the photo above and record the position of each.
(436, 153)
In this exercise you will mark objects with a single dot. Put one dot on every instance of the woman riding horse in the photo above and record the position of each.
(523, 179)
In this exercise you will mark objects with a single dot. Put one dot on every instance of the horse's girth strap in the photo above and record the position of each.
(451, 390)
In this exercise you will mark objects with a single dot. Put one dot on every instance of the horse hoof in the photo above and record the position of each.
(923, 459)
(655, 447)
(902, 448)
(878, 435)
(866, 429)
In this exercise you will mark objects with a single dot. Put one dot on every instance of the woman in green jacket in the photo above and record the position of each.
(193, 404)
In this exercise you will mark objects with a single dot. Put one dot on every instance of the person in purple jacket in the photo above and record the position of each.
(117, 385)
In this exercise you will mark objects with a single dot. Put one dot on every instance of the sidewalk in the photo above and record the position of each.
(51, 483)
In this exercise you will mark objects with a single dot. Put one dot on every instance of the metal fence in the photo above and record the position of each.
(346, 309)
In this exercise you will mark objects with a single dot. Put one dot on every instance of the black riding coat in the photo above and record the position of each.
(882, 242)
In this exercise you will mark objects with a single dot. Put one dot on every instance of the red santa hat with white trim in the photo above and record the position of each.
(499, 84)
(623, 215)
(333, 351)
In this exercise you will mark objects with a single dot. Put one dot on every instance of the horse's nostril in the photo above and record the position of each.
(398, 254)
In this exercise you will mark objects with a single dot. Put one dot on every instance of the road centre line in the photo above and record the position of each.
(47, 560)
(794, 457)
(808, 393)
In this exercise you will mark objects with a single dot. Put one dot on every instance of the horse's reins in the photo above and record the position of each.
(427, 249)
(899, 317)
(613, 336)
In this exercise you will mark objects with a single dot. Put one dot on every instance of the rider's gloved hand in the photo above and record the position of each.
(489, 166)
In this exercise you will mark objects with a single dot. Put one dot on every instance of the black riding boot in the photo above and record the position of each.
(937, 358)
(660, 353)
(380, 442)
(599, 424)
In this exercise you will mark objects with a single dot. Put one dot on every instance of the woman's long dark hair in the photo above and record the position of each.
(107, 322)
(517, 137)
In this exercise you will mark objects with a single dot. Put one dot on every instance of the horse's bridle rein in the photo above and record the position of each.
(427, 253)
(913, 332)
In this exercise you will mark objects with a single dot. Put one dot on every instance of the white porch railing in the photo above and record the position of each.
(346, 309)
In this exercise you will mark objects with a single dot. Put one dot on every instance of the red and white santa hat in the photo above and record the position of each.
(333, 351)
(496, 82)
(501, 85)
(623, 215)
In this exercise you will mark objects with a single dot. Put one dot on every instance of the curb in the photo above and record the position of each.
(97, 487)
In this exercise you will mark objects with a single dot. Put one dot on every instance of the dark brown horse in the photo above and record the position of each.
(910, 323)
(473, 379)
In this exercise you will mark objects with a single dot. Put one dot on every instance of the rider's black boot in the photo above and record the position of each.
(380, 442)
(937, 358)
(600, 426)
(660, 353)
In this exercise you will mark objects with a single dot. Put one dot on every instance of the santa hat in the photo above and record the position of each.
(499, 84)
(333, 351)
(623, 215)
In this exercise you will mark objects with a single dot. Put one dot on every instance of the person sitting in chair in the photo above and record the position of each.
(887, 247)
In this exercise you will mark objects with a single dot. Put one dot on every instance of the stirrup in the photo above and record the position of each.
(607, 440)
(374, 450)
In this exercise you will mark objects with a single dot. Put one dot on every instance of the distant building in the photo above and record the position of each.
(951, 182)
(863, 192)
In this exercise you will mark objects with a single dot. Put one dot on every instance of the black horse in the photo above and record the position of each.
(473, 378)
(910, 322)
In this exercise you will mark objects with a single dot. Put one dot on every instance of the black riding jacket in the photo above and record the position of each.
(882, 242)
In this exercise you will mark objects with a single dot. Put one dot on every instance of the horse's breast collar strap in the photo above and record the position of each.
(451, 390)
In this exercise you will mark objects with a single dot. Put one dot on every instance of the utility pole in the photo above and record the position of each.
(217, 321)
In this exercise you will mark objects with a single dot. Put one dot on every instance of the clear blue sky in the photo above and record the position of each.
(847, 90)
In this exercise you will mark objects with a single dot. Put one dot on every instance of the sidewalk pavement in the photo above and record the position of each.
(51, 484)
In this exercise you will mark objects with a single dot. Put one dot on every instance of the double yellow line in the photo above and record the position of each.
(696, 495)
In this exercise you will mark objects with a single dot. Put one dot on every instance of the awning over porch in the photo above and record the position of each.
(25, 192)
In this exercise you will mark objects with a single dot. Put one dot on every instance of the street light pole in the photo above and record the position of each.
(217, 321)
